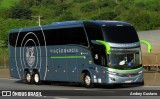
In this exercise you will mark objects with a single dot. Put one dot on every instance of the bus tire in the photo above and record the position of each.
(36, 78)
(87, 81)
(27, 77)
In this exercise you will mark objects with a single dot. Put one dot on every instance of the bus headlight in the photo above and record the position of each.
(112, 73)
(140, 72)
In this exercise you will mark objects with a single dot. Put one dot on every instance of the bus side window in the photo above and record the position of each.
(94, 33)
(63, 36)
(77, 36)
(51, 37)
(12, 39)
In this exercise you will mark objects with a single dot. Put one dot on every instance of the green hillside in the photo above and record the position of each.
(143, 14)
(8, 3)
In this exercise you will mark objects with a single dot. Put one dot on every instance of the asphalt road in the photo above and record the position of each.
(16, 84)
(63, 91)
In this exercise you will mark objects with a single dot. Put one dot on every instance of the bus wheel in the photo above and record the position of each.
(87, 81)
(36, 78)
(27, 77)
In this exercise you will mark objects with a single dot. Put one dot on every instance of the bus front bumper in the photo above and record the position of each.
(114, 79)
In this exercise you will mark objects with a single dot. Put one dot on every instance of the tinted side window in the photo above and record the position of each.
(94, 33)
(34, 38)
(66, 36)
(63, 36)
(12, 39)
(26, 39)
(40, 37)
(51, 37)
(78, 36)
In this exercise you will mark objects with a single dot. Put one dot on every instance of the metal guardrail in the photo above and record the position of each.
(155, 68)
(151, 62)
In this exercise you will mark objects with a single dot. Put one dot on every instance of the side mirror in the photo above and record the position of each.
(148, 45)
(107, 46)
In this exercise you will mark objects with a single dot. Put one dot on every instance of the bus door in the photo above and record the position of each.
(71, 63)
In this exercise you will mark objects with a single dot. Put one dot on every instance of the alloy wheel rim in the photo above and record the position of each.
(36, 78)
(28, 77)
(87, 80)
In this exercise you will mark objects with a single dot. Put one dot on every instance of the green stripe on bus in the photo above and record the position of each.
(148, 44)
(67, 56)
(107, 46)
(126, 71)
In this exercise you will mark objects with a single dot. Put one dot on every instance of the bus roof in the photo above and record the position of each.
(69, 24)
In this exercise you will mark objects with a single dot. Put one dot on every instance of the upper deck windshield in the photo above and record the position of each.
(120, 34)
(127, 60)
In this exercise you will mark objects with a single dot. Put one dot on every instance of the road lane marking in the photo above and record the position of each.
(150, 86)
(82, 89)
(8, 79)
(60, 98)
(52, 97)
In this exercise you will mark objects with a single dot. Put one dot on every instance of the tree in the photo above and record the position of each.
(20, 12)
(88, 7)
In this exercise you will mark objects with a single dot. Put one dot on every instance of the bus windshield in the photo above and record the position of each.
(120, 34)
(124, 60)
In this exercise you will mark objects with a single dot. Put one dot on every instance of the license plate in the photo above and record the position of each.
(128, 81)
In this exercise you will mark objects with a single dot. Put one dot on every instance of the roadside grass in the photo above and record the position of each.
(7, 3)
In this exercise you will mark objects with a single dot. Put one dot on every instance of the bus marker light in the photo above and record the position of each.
(90, 62)
(99, 80)
(95, 80)
(103, 71)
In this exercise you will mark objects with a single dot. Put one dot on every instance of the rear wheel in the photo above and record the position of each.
(87, 81)
(27, 77)
(36, 78)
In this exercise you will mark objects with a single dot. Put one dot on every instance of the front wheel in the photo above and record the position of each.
(87, 81)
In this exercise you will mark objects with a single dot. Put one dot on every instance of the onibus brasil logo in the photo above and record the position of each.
(30, 56)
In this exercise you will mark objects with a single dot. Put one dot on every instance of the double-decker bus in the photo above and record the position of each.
(87, 52)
